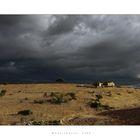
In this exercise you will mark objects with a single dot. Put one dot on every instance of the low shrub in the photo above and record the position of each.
(25, 98)
(98, 97)
(57, 99)
(25, 112)
(41, 101)
(2, 92)
(97, 105)
(62, 98)
(129, 92)
(94, 104)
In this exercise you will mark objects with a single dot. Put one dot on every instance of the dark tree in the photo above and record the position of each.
(60, 80)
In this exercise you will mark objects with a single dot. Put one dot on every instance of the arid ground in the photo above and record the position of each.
(77, 105)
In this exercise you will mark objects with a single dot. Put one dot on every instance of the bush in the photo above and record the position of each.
(95, 104)
(39, 101)
(129, 91)
(57, 99)
(2, 92)
(98, 97)
(25, 112)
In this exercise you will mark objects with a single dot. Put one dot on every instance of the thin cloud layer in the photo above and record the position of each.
(75, 47)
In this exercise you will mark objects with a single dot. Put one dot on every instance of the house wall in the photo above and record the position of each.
(111, 84)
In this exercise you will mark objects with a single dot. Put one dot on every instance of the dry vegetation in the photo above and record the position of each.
(68, 104)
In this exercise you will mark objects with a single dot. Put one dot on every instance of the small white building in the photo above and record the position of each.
(109, 84)
(98, 84)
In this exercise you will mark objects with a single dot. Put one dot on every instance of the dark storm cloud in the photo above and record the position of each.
(75, 47)
(62, 24)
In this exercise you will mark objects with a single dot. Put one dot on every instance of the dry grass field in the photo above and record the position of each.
(118, 105)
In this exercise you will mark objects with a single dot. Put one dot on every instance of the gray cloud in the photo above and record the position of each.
(75, 47)
(62, 24)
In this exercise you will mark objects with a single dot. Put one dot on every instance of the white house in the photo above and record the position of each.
(98, 84)
(109, 84)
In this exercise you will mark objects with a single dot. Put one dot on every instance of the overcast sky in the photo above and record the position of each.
(74, 47)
